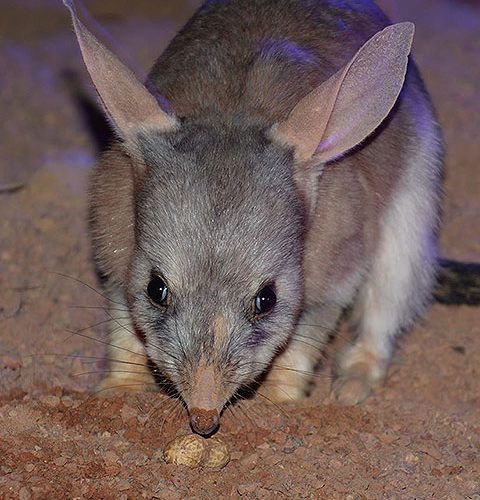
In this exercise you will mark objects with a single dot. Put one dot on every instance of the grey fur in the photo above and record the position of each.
(208, 221)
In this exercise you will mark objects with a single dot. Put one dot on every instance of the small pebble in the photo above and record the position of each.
(110, 457)
(60, 461)
(50, 401)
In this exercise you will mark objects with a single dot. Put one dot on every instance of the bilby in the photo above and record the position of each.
(283, 164)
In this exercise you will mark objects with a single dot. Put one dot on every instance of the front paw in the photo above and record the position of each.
(285, 385)
(351, 390)
(358, 373)
(282, 393)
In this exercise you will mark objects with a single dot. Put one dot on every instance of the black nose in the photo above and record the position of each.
(204, 422)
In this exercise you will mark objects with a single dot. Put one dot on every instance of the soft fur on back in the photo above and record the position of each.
(258, 58)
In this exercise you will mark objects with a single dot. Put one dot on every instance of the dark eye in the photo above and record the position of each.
(158, 291)
(265, 300)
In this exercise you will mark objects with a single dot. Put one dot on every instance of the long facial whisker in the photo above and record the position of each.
(107, 370)
(120, 386)
(313, 338)
(79, 331)
(118, 320)
(103, 342)
(320, 326)
(176, 411)
(317, 347)
(166, 351)
(94, 325)
(335, 332)
(102, 308)
(278, 407)
(90, 287)
(93, 359)
(285, 368)
(244, 413)
(174, 402)
(255, 413)
(177, 336)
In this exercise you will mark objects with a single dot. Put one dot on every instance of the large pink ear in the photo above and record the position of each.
(129, 105)
(350, 105)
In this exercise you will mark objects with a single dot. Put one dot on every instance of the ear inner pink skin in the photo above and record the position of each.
(351, 104)
(128, 103)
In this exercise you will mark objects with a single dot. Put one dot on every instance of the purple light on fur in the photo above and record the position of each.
(327, 143)
(286, 49)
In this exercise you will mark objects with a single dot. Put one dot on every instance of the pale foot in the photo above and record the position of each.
(359, 372)
(284, 385)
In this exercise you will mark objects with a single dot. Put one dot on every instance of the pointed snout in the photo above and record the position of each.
(204, 422)
(203, 399)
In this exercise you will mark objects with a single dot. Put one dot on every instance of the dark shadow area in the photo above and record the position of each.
(90, 112)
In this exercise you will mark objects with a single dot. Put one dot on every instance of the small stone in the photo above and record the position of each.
(236, 455)
(369, 440)
(110, 458)
(50, 401)
(141, 460)
(318, 484)
(11, 363)
(250, 461)
(388, 438)
(127, 413)
(60, 461)
(67, 401)
(246, 489)
(123, 485)
(264, 446)
(336, 464)
(71, 468)
(412, 459)
(112, 470)
(24, 494)
(279, 437)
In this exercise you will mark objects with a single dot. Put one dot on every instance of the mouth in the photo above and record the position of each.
(201, 402)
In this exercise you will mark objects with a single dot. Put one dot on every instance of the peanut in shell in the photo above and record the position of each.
(195, 451)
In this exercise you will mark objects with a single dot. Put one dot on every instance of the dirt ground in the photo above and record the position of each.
(418, 437)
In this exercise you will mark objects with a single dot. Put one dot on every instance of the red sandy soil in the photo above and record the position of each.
(418, 437)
